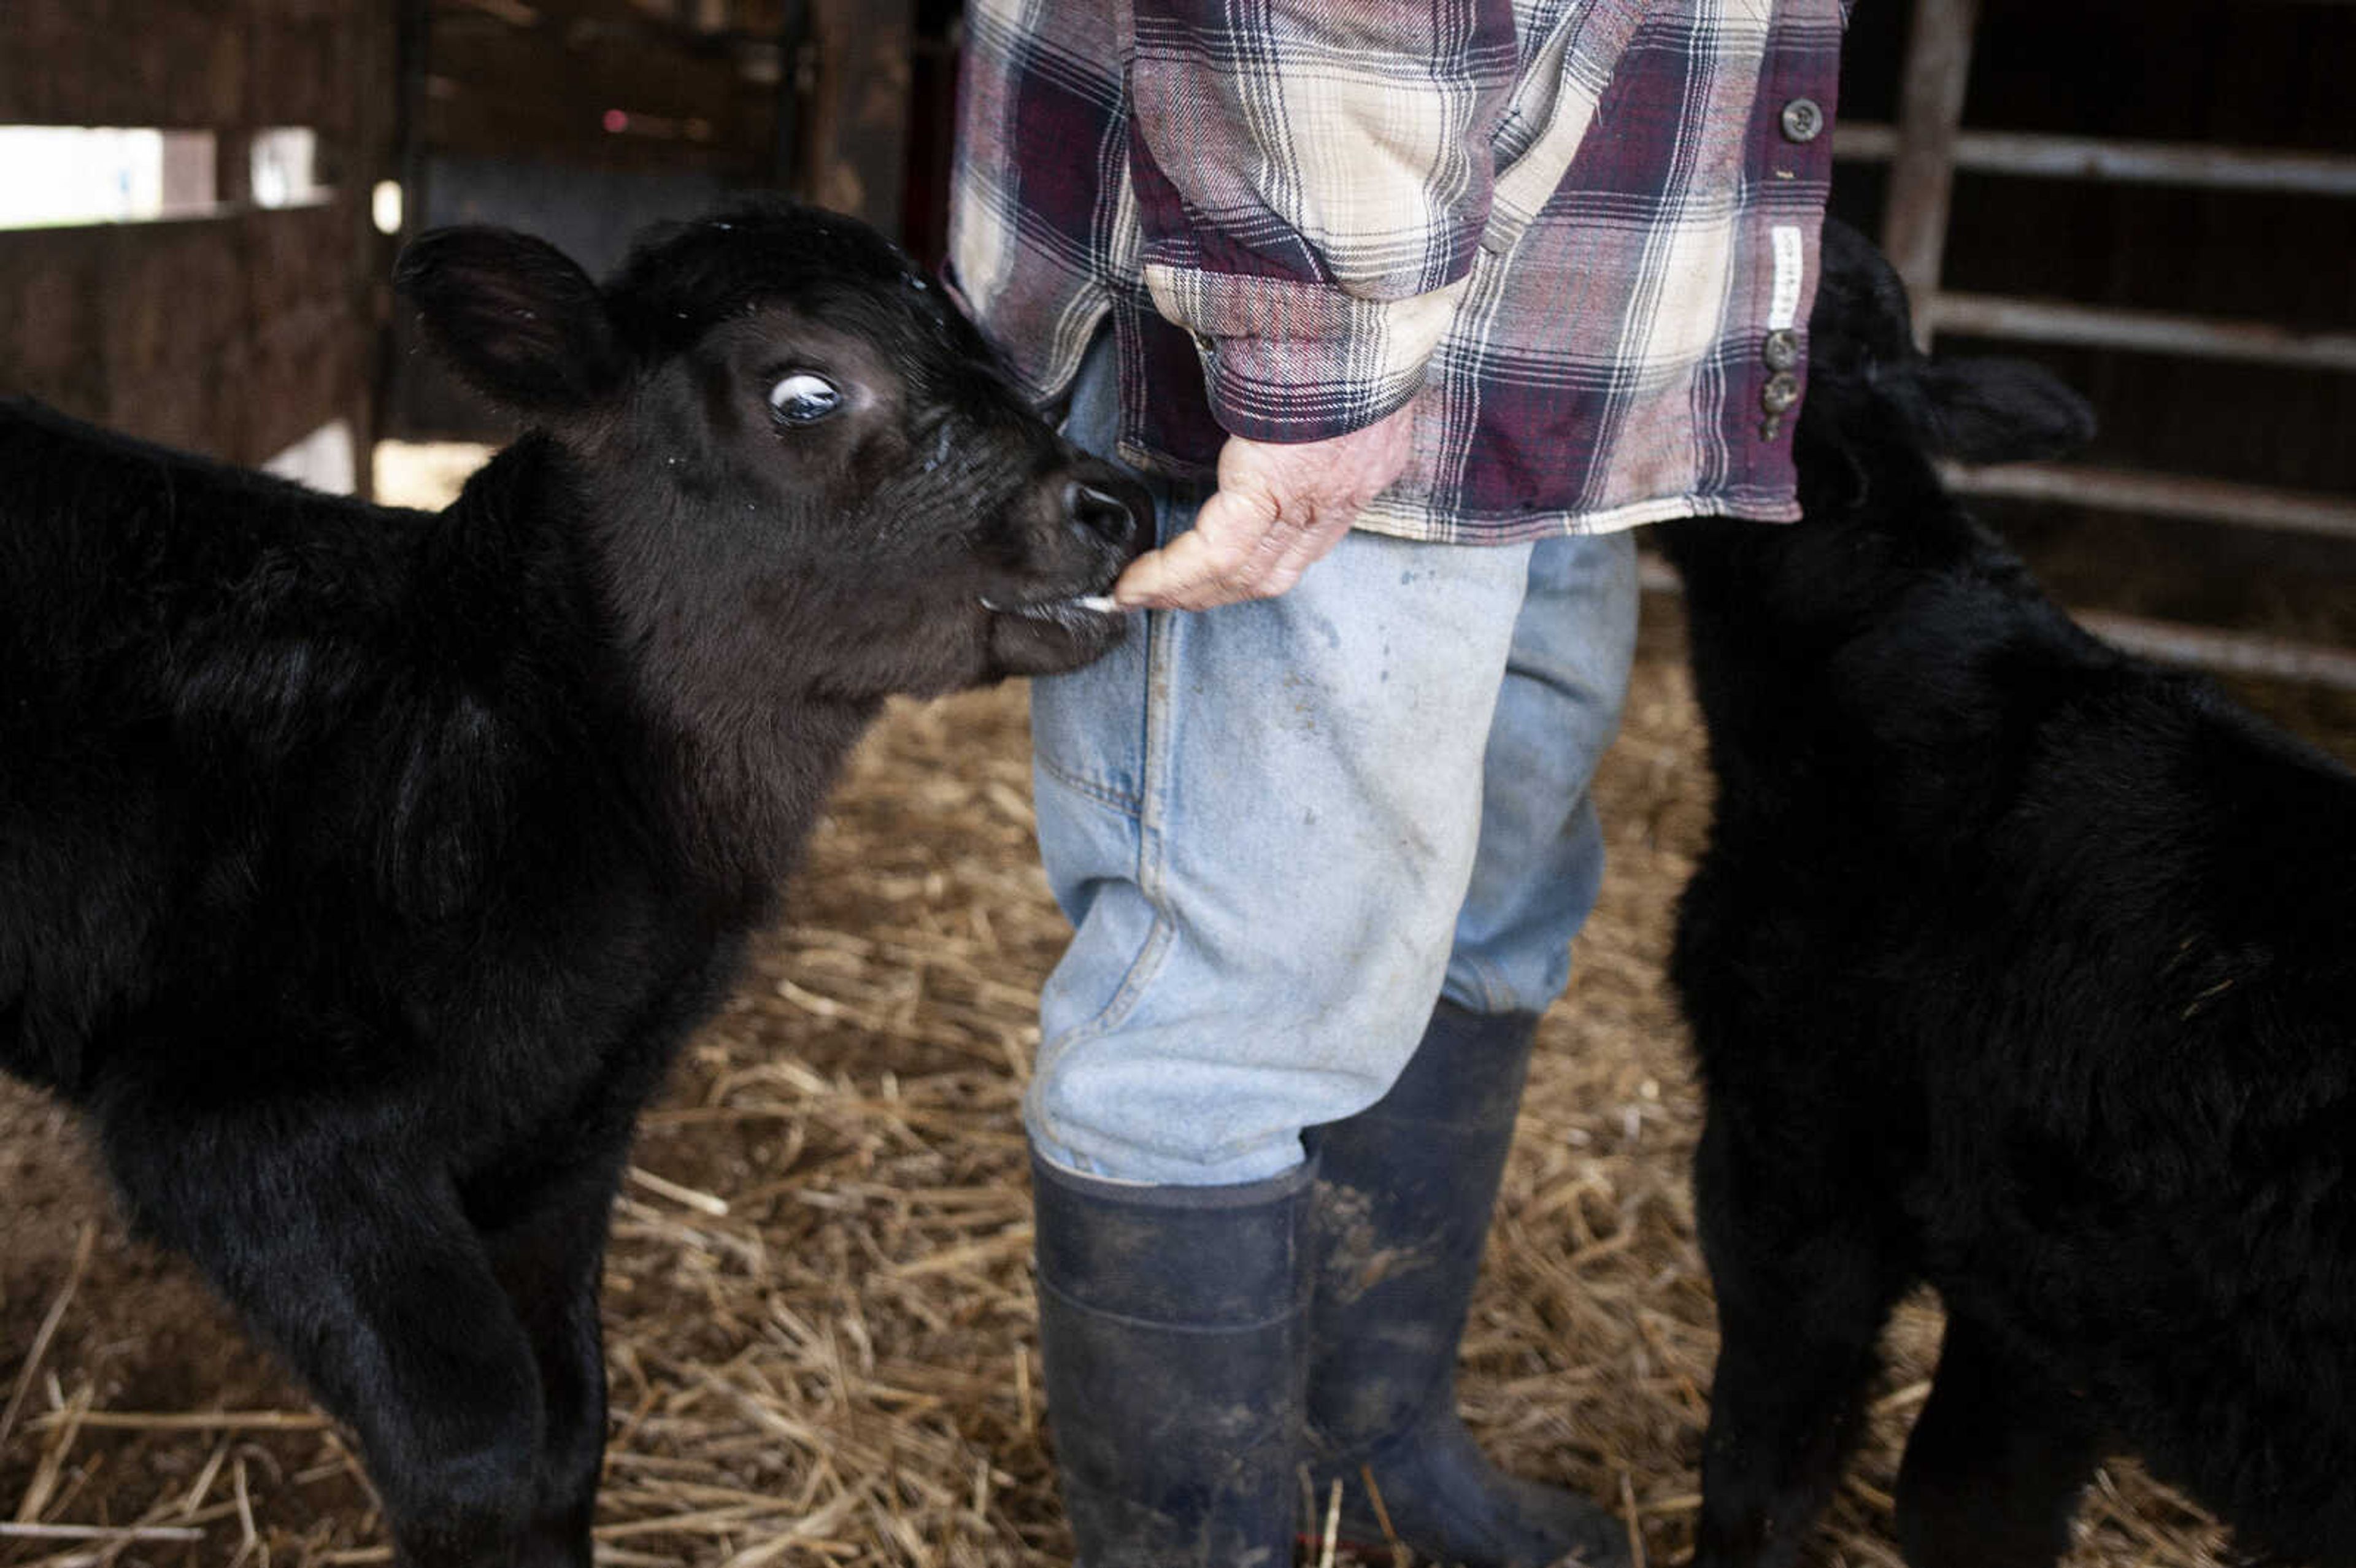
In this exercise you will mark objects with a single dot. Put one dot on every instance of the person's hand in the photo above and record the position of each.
(1278, 508)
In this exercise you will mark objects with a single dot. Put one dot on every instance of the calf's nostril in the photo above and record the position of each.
(1103, 514)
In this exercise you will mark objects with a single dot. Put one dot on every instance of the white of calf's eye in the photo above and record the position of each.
(804, 397)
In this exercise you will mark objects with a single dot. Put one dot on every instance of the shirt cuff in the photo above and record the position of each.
(1288, 361)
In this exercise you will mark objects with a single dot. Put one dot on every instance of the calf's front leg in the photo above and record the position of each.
(356, 1264)
(1802, 1288)
(1995, 1464)
(548, 1258)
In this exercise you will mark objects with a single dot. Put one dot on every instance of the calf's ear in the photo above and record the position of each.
(1999, 411)
(514, 316)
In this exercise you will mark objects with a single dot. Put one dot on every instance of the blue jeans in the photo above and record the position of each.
(1284, 828)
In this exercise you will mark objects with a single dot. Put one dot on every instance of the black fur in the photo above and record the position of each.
(360, 868)
(2016, 967)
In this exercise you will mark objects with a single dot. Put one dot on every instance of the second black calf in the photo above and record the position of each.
(2018, 967)
(360, 868)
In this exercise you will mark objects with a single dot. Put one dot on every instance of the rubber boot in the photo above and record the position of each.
(1171, 1321)
(1404, 1195)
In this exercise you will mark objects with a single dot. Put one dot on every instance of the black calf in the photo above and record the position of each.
(360, 868)
(2016, 966)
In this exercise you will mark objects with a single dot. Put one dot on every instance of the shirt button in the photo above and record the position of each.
(1782, 351)
(1781, 390)
(1804, 120)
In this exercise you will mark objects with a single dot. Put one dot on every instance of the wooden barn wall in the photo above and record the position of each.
(235, 334)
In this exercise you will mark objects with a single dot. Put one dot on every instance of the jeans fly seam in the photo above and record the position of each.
(1162, 631)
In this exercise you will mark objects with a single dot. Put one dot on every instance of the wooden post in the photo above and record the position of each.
(855, 156)
(1930, 111)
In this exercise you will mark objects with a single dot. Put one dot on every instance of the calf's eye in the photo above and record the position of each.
(804, 397)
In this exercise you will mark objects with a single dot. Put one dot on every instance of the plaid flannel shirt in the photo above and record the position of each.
(1578, 235)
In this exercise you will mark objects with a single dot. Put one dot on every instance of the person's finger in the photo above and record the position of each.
(1147, 582)
(1212, 563)
(1277, 511)
(1179, 576)
(1235, 555)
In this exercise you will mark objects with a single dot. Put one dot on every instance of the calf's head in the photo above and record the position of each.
(799, 462)
(1878, 410)
(1861, 351)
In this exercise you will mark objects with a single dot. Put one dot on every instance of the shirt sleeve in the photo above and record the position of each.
(1313, 178)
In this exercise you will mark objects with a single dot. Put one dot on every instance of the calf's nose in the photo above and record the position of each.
(1102, 515)
(1115, 510)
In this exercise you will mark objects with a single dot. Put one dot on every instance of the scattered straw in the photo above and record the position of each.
(193, 1421)
(1401, 1557)
(820, 1319)
(48, 1330)
(95, 1533)
(1629, 1512)
(703, 1202)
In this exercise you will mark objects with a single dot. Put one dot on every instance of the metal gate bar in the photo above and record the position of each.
(2161, 496)
(2036, 155)
(2141, 331)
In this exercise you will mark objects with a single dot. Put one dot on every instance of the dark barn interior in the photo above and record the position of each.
(2156, 202)
(818, 1313)
(243, 319)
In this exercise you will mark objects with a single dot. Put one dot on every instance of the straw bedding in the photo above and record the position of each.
(820, 1321)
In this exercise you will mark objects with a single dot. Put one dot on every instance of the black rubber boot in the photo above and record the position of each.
(1171, 1321)
(1405, 1191)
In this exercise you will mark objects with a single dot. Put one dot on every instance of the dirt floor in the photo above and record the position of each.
(822, 1335)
